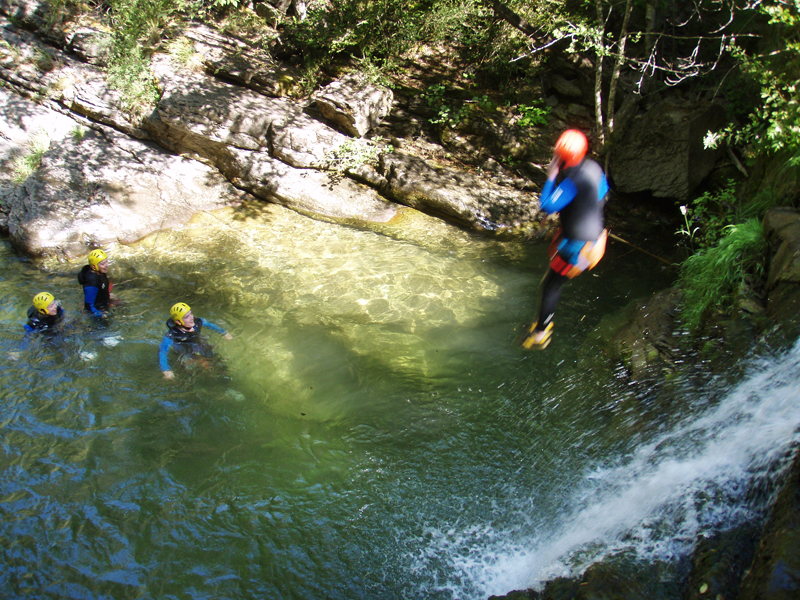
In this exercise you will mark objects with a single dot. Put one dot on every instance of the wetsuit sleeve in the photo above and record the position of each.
(89, 296)
(213, 327)
(163, 350)
(554, 198)
(28, 337)
(602, 188)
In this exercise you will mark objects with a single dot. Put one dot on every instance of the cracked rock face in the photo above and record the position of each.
(95, 188)
(222, 124)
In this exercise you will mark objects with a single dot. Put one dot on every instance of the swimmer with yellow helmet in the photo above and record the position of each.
(184, 335)
(96, 284)
(576, 189)
(45, 313)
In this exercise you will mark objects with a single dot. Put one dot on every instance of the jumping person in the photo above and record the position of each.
(96, 285)
(576, 189)
(184, 334)
(44, 315)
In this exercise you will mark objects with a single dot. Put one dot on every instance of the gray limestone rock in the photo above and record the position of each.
(354, 104)
(93, 187)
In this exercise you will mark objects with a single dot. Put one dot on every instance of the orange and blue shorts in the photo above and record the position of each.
(573, 257)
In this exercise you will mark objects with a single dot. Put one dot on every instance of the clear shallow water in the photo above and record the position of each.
(370, 432)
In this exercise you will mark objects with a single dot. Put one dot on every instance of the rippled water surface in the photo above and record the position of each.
(370, 431)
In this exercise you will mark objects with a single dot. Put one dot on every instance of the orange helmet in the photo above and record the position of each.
(571, 147)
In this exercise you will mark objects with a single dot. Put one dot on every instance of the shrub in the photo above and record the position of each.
(28, 162)
(711, 278)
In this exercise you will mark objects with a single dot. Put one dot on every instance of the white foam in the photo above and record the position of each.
(685, 481)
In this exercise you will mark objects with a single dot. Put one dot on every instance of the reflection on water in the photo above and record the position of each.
(374, 433)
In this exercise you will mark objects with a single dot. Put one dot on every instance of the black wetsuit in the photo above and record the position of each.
(92, 280)
(578, 195)
(187, 343)
(42, 322)
(582, 217)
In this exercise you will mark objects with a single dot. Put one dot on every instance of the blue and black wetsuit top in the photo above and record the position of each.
(579, 195)
(187, 343)
(96, 290)
(39, 322)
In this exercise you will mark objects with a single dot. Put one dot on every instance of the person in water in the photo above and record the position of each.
(44, 315)
(576, 189)
(184, 335)
(96, 285)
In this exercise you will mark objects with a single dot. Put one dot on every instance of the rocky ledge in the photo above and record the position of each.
(228, 121)
(105, 173)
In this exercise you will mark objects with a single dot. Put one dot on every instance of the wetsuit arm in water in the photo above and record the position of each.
(213, 327)
(28, 337)
(556, 197)
(89, 296)
(163, 350)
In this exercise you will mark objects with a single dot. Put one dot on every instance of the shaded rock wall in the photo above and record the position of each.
(662, 152)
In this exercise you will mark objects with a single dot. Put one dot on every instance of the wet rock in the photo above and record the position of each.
(719, 562)
(775, 571)
(565, 87)
(782, 230)
(447, 192)
(639, 336)
(519, 595)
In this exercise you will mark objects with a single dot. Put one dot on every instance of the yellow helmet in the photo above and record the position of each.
(178, 311)
(95, 257)
(42, 300)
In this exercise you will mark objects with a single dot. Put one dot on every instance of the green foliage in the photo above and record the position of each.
(209, 9)
(352, 153)
(448, 113)
(137, 24)
(710, 215)
(774, 123)
(28, 162)
(129, 73)
(711, 278)
(182, 49)
(385, 31)
(533, 116)
(78, 134)
(379, 29)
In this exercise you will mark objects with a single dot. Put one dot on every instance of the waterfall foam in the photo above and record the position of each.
(685, 482)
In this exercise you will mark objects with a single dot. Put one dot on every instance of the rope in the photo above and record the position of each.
(619, 239)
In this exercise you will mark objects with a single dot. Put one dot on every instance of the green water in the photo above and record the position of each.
(370, 431)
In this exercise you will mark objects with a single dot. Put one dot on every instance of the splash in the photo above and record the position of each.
(656, 501)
